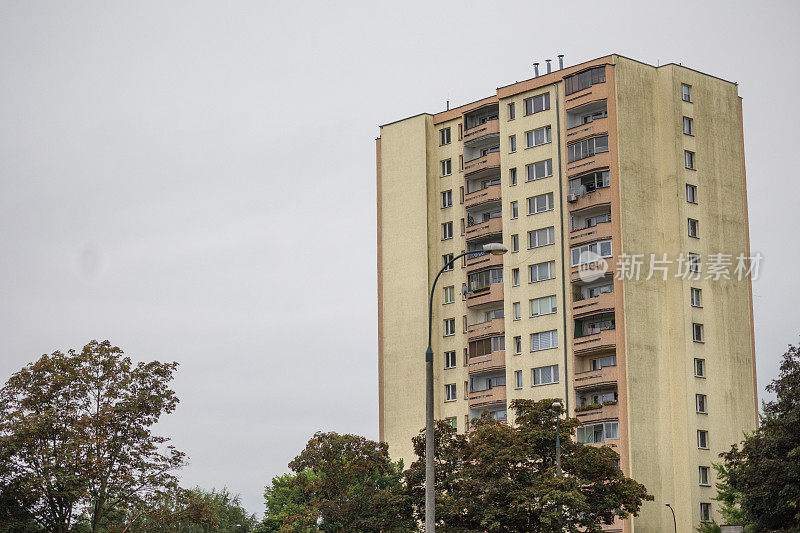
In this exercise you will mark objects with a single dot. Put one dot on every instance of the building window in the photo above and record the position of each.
(699, 368)
(539, 170)
(512, 143)
(688, 158)
(465, 324)
(449, 327)
(705, 512)
(597, 433)
(518, 379)
(460, 131)
(688, 125)
(515, 243)
(691, 194)
(686, 92)
(511, 111)
(697, 332)
(694, 263)
(512, 177)
(487, 346)
(444, 136)
(584, 80)
(702, 439)
(693, 228)
(447, 230)
(537, 103)
(696, 297)
(701, 403)
(589, 253)
(590, 182)
(517, 345)
(538, 136)
(451, 421)
(544, 340)
(517, 311)
(541, 237)
(514, 210)
(514, 277)
(450, 392)
(466, 391)
(447, 167)
(542, 271)
(544, 375)
(447, 262)
(543, 306)
(447, 198)
(450, 359)
(703, 475)
(602, 362)
(587, 148)
(541, 203)
(449, 294)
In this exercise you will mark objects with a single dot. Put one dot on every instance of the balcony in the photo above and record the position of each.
(484, 363)
(602, 302)
(494, 226)
(487, 328)
(607, 375)
(603, 340)
(590, 199)
(477, 260)
(598, 160)
(585, 272)
(481, 196)
(489, 294)
(601, 231)
(493, 396)
(490, 160)
(490, 127)
(608, 410)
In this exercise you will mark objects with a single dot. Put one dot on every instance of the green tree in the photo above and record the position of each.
(761, 476)
(502, 477)
(76, 439)
(347, 480)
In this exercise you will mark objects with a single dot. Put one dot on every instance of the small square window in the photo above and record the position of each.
(449, 294)
(450, 359)
(447, 262)
(701, 403)
(686, 92)
(450, 392)
(514, 210)
(688, 126)
(705, 512)
(703, 476)
(515, 277)
(518, 379)
(512, 143)
(702, 439)
(693, 228)
(691, 194)
(447, 167)
(696, 297)
(449, 327)
(697, 332)
(444, 136)
(447, 230)
(512, 177)
(447, 198)
(511, 111)
(699, 368)
(688, 157)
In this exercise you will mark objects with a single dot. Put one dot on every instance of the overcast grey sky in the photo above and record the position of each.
(195, 181)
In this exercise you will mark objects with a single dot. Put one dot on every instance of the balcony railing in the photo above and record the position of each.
(602, 340)
(490, 361)
(481, 196)
(605, 301)
(492, 293)
(489, 327)
(476, 260)
(490, 160)
(487, 397)
(482, 229)
(604, 411)
(592, 378)
(490, 127)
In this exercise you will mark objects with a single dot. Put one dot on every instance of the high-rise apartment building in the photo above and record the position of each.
(619, 189)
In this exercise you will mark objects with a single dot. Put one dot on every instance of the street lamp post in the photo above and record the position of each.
(674, 523)
(493, 248)
(557, 409)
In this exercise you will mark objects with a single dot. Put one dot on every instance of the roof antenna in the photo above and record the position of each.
(448, 105)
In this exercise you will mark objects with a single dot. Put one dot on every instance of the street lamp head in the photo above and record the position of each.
(495, 248)
(667, 504)
(557, 406)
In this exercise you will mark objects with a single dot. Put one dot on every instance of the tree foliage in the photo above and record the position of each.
(347, 480)
(503, 478)
(76, 440)
(760, 477)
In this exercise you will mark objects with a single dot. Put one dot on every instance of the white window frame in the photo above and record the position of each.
(449, 327)
(446, 167)
(602, 248)
(532, 170)
(548, 303)
(515, 242)
(516, 311)
(517, 345)
(518, 379)
(450, 392)
(686, 92)
(536, 235)
(691, 193)
(689, 160)
(536, 375)
(449, 359)
(698, 332)
(703, 476)
(688, 126)
(512, 143)
(448, 258)
(447, 198)
(701, 366)
(542, 101)
(515, 277)
(533, 208)
(695, 297)
(538, 337)
(705, 512)
(514, 209)
(693, 227)
(449, 294)
(447, 230)
(545, 133)
(512, 176)
(701, 404)
(444, 136)
(550, 269)
(702, 434)
(511, 111)
(694, 262)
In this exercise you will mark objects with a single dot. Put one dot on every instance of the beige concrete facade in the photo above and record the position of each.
(607, 172)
